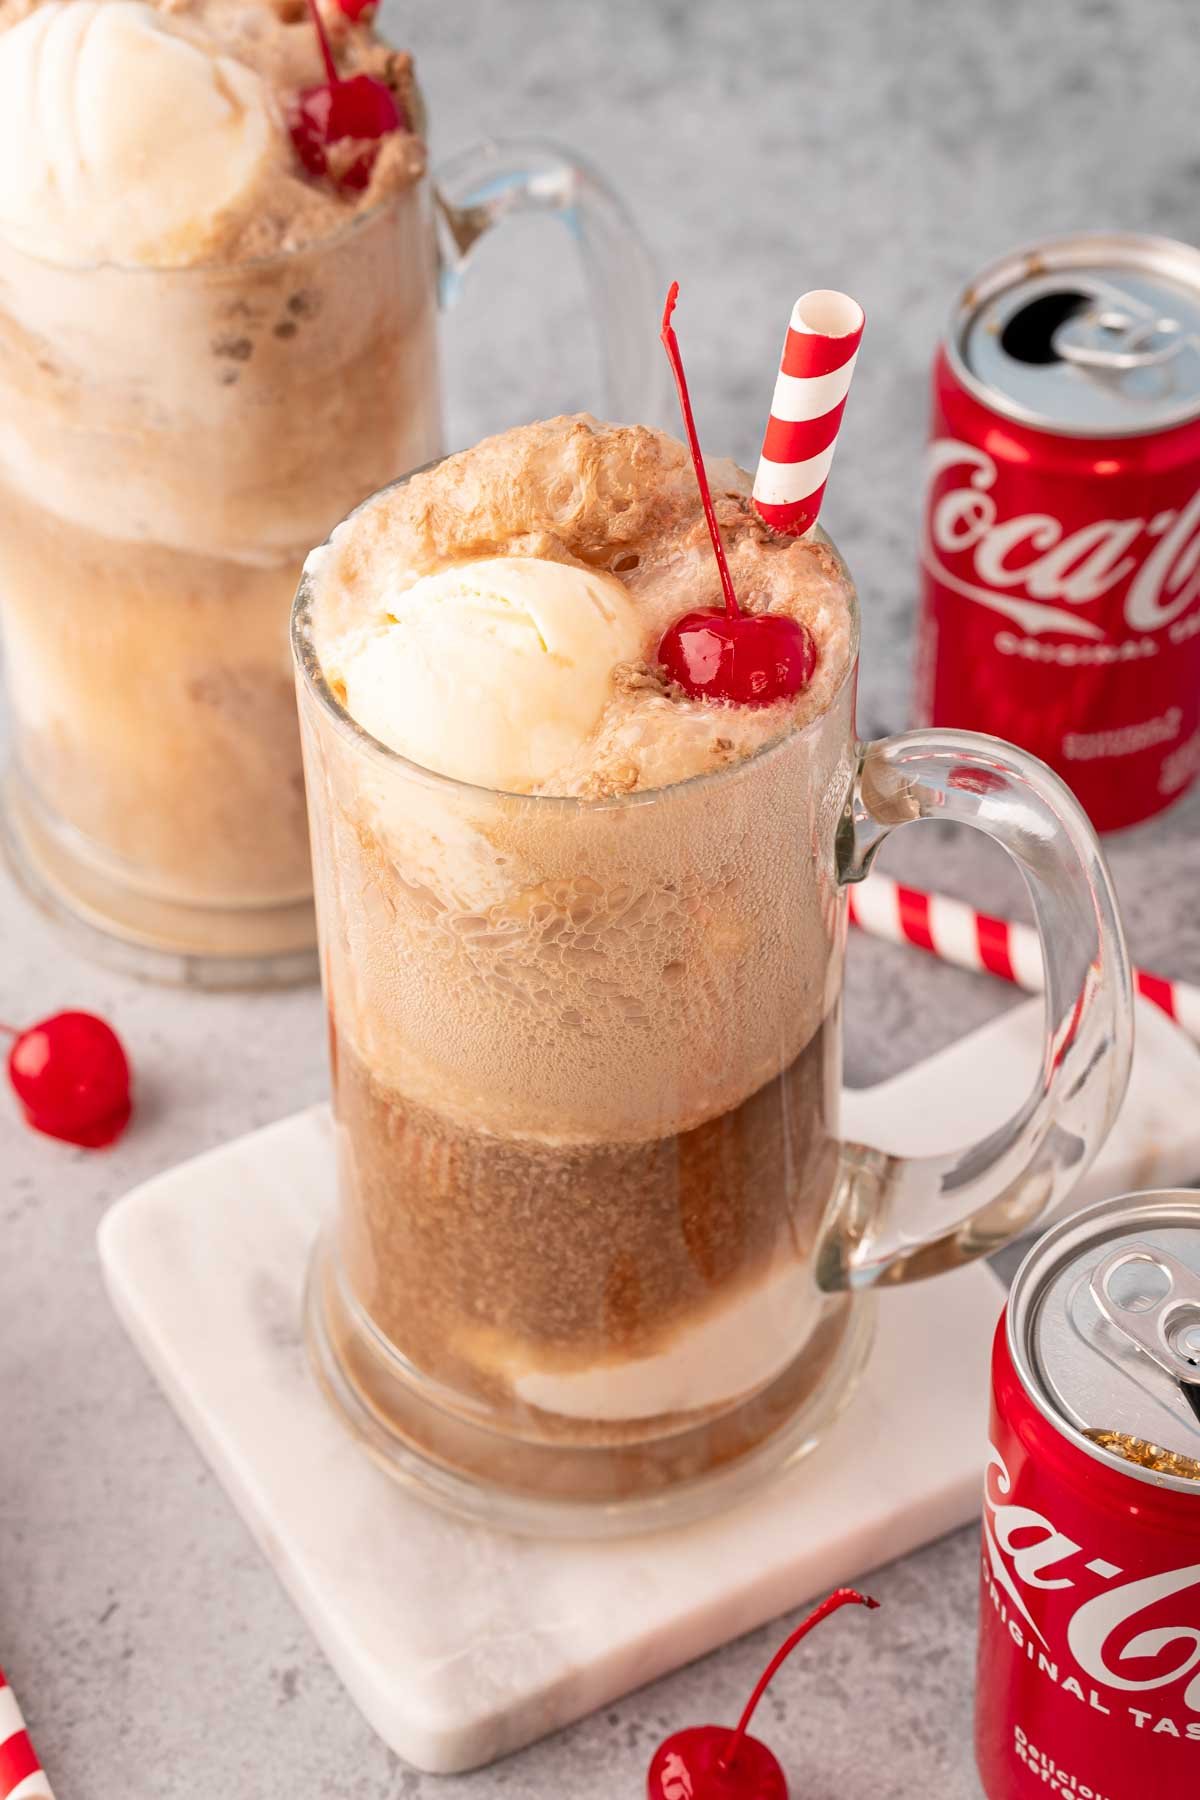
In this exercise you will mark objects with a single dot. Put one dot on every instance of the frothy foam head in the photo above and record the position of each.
(497, 617)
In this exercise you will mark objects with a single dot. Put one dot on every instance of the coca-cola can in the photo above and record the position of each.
(1089, 1636)
(1061, 539)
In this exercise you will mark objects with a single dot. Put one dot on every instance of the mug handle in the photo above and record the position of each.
(898, 1218)
(481, 186)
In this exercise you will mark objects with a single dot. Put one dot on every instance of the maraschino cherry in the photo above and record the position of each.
(722, 653)
(337, 109)
(71, 1075)
(712, 1762)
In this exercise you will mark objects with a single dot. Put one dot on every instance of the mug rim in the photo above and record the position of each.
(310, 673)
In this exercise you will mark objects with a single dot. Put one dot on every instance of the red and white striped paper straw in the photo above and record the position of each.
(806, 412)
(21, 1774)
(956, 933)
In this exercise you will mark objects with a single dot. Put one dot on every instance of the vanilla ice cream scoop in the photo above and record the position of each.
(495, 671)
(121, 139)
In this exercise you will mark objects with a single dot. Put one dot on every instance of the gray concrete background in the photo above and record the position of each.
(881, 146)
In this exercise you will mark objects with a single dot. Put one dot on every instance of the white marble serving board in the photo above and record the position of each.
(460, 1645)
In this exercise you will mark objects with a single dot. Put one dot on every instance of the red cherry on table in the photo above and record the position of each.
(71, 1075)
(336, 110)
(752, 659)
(690, 1766)
(713, 1762)
(354, 10)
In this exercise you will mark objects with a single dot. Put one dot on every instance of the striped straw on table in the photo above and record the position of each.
(956, 933)
(818, 359)
(21, 1774)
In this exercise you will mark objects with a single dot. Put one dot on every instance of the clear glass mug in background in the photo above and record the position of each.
(172, 442)
(599, 1253)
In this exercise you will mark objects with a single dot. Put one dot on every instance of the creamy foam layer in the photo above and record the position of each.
(596, 959)
(155, 132)
(632, 974)
(620, 503)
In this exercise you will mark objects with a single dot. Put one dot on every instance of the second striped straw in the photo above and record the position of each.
(955, 932)
(21, 1774)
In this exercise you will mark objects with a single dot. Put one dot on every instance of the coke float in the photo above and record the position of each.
(1062, 518)
(1089, 1648)
(597, 696)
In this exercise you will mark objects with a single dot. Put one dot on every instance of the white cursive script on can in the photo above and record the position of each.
(1027, 566)
(1028, 1554)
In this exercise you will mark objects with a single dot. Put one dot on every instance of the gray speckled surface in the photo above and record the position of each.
(883, 147)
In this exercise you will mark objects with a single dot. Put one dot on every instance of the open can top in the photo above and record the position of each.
(1093, 335)
(1104, 1330)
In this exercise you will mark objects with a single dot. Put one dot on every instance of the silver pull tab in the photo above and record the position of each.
(1153, 1300)
(1114, 336)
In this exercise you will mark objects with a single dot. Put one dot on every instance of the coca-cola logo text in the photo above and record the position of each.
(1034, 571)
(1027, 1555)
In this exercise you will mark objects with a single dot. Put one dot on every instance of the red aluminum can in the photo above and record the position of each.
(1089, 1635)
(1061, 544)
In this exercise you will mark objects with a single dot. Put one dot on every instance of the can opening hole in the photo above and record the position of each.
(1138, 1286)
(1029, 335)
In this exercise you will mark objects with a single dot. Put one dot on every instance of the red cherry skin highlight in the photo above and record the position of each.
(692, 1763)
(752, 659)
(71, 1074)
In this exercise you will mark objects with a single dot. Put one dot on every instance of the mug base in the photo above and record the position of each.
(534, 1486)
(156, 939)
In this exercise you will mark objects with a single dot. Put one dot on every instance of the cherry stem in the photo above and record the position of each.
(670, 344)
(323, 40)
(839, 1598)
(9, 1030)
